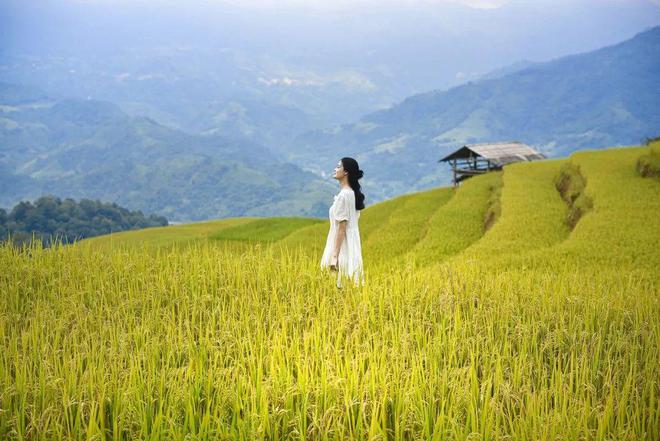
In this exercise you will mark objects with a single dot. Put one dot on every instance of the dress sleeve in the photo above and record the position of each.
(342, 208)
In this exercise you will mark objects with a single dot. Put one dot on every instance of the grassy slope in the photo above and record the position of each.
(623, 229)
(264, 230)
(531, 332)
(405, 227)
(532, 213)
(457, 224)
(430, 226)
(164, 236)
(307, 234)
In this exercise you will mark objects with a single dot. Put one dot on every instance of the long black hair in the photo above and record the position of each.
(354, 174)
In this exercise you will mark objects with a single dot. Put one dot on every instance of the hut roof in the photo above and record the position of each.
(499, 153)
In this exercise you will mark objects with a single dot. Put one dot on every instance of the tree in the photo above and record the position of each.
(67, 220)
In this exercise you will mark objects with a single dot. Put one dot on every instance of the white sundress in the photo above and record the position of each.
(350, 253)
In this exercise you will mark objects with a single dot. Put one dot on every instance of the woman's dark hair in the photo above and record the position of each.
(354, 174)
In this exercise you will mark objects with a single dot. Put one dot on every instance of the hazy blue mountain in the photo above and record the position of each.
(91, 149)
(508, 70)
(273, 72)
(593, 100)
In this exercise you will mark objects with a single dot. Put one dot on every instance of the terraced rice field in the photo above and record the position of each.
(228, 330)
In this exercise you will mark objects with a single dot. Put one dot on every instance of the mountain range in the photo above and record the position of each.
(242, 68)
(73, 147)
(601, 98)
(92, 149)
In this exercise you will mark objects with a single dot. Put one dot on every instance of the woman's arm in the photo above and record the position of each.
(339, 239)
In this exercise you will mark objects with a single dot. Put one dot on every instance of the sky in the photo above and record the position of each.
(387, 49)
(340, 4)
(336, 59)
(356, 4)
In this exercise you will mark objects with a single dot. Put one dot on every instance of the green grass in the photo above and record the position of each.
(264, 230)
(527, 331)
(532, 214)
(406, 226)
(623, 228)
(178, 235)
(459, 223)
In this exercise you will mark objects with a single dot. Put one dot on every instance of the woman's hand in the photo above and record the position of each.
(334, 263)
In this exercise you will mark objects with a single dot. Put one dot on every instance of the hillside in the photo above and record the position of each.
(590, 100)
(432, 226)
(530, 329)
(91, 149)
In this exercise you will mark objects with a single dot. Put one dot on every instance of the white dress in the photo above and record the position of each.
(350, 253)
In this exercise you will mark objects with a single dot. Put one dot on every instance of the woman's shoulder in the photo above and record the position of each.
(346, 193)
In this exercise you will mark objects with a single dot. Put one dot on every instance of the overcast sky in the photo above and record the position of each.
(393, 47)
(337, 4)
(343, 4)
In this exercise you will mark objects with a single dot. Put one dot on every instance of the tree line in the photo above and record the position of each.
(50, 218)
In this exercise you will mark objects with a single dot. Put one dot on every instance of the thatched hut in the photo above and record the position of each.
(476, 159)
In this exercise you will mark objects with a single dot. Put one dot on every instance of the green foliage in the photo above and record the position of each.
(51, 218)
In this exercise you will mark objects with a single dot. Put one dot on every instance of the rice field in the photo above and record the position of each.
(527, 330)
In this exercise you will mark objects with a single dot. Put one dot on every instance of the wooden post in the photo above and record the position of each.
(453, 168)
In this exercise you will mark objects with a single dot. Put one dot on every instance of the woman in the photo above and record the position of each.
(343, 250)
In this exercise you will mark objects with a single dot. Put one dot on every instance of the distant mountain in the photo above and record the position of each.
(273, 72)
(508, 70)
(91, 149)
(602, 98)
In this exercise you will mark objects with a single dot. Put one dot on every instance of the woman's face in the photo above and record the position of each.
(339, 170)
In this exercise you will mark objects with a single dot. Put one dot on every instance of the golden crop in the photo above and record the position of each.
(527, 331)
